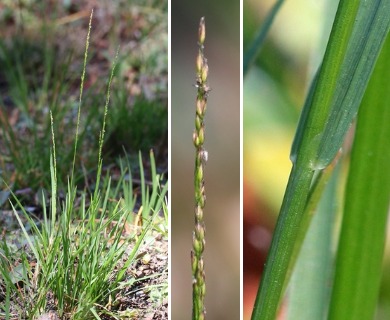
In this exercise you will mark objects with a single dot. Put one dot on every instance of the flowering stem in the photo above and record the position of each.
(198, 274)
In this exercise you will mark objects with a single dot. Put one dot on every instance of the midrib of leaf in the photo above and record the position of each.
(319, 110)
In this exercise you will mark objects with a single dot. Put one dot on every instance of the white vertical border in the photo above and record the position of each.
(169, 167)
(241, 164)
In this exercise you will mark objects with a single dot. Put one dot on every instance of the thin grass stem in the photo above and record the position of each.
(80, 97)
(102, 133)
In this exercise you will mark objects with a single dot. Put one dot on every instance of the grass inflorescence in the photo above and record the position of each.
(198, 274)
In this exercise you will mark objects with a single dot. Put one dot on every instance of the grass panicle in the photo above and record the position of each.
(198, 274)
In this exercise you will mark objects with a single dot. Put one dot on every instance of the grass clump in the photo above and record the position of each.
(78, 261)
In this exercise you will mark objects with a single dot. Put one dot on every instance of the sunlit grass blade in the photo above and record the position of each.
(363, 232)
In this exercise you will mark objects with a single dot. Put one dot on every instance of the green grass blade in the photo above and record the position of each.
(316, 193)
(315, 118)
(363, 232)
(338, 94)
(309, 293)
(257, 43)
(142, 177)
(298, 188)
(53, 176)
(308, 153)
(27, 236)
(368, 36)
(136, 247)
(276, 268)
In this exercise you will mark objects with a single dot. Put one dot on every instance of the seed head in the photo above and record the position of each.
(199, 63)
(202, 31)
(204, 72)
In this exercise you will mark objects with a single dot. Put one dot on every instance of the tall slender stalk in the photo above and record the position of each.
(80, 98)
(198, 242)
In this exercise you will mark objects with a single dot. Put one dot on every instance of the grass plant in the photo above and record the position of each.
(330, 108)
(80, 260)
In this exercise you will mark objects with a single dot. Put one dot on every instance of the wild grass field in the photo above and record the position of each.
(84, 162)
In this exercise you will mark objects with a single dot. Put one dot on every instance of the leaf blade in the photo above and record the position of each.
(363, 232)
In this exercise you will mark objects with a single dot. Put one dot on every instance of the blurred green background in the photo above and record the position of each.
(222, 174)
(274, 91)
